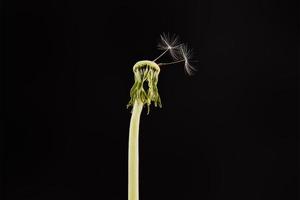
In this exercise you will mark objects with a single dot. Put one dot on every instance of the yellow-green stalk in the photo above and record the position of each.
(144, 72)
(146, 75)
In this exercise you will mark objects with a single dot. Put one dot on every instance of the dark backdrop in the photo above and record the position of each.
(229, 132)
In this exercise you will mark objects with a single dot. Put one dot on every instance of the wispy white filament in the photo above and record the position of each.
(178, 51)
(170, 43)
(186, 54)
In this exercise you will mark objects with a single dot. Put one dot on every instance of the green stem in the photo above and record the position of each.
(133, 151)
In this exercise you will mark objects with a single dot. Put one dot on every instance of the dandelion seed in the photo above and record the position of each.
(169, 43)
(186, 55)
(183, 54)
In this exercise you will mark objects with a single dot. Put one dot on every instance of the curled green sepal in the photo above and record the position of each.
(145, 71)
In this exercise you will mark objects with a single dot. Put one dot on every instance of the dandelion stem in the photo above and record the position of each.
(133, 151)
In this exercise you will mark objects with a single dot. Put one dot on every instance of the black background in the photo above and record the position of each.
(228, 132)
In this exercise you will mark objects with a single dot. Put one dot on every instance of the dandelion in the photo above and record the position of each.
(146, 73)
